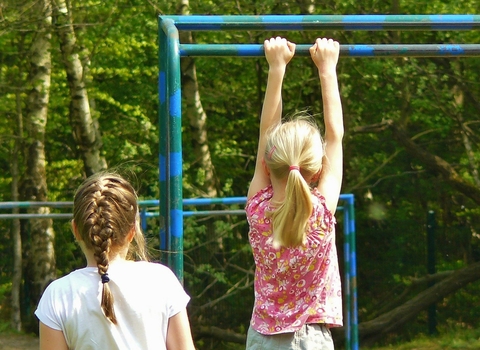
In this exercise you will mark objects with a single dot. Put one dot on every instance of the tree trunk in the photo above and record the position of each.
(371, 331)
(465, 131)
(196, 116)
(436, 164)
(85, 128)
(40, 264)
(16, 320)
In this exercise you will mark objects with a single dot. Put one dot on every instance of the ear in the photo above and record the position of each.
(131, 234)
(265, 167)
(75, 231)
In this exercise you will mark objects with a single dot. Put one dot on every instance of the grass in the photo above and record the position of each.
(454, 340)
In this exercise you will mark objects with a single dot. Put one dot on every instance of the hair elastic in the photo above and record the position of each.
(105, 278)
(270, 153)
(294, 167)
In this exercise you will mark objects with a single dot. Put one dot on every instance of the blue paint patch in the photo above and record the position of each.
(176, 227)
(175, 107)
(175, 164)
(364, 22)
(162, 87)
(353, 260)
(360, 50)
(250, 50)
(163, 162)
(451, 50)
(442, 22)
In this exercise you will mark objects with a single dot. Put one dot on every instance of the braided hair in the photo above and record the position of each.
(105, 211)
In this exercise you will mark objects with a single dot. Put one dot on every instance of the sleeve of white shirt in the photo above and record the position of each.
(177, 295)
(46, 308)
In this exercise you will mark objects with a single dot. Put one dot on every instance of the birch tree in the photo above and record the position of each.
(16, 320)
(85, 128)
(40, 264)
(196, 116)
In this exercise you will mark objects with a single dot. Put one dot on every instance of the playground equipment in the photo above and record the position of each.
(170, 51)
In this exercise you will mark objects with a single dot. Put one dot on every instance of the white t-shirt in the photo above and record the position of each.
(145, 294)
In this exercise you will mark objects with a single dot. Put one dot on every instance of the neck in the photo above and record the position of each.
(91, 262)
(278, 189)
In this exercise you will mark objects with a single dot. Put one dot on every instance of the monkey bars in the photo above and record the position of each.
(170, 51)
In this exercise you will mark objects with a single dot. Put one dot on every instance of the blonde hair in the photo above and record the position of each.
(105, 211)
(294, 151)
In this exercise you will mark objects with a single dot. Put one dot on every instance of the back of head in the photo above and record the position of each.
(294, 152)
(105, 212)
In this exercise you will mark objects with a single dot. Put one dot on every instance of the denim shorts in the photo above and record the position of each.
(309, 337)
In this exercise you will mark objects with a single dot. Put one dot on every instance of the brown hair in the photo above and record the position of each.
(294, 151)
(105, 211)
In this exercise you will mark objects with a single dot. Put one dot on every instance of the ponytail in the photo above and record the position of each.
(290, 219)
(293, 153)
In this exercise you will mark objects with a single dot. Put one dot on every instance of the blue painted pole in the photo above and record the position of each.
(330, 22)
(347, 281)
(164, 147)
(395, 50)
(353, 271)
(11, 205)
(175, 151)
(67, 216)
(199, 201)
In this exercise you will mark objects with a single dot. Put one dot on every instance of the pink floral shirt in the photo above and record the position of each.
(294, 286)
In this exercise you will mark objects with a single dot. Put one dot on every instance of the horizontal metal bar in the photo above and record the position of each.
(332, 22)
(393, 50)
(147, 214)
(37, 216)
(199, 201)
(214, 212)
(202, 213)
(141, 203)
(11, 205)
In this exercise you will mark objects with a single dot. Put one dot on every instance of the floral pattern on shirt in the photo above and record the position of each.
(294, 286)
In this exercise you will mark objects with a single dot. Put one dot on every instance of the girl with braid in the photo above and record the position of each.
(114, 302)
(290, 209)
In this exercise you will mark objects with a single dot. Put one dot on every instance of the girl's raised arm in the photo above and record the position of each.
(325, 54)
(278, 52)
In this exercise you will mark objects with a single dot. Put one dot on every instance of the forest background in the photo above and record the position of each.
(79, 94)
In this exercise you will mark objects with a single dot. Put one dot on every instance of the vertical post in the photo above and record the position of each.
(175, 202)
(353, 273)
(431, 262)
(347, 287)
(350, 280)
(164, 147)
(143, 219)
